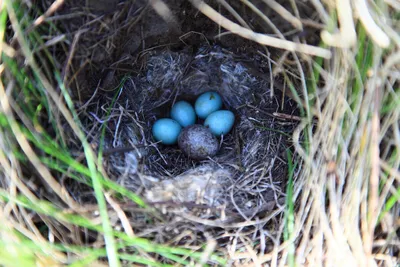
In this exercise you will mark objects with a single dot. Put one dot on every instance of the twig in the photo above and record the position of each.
(53, 8)
(121, 214)
(234, 13)
(166, 14)
(373, 190)
(278, 8)
(71, 53)
(114, 150)
(376, 34)
(264, 17)
(347, 36)
(258, 37)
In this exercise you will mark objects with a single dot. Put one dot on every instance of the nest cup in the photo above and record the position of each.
(250, 156)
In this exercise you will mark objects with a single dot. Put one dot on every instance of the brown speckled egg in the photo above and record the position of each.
(197, 142)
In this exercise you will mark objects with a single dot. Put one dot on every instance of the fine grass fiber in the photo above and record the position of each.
(308, 176)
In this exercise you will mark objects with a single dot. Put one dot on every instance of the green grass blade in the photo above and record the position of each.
(289, 213)
(97, 186)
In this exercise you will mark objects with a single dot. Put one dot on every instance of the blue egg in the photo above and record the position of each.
(220, 122)
(166, 131)
(183, 113)
(207, 103)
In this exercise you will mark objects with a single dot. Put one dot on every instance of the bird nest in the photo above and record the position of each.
(244, 180)
(245, 183)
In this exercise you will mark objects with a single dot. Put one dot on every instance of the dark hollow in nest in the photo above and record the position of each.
(249, 173)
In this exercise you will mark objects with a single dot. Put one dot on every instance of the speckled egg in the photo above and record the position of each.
(197, 142)
(220, 122)
(207, 103)
(183, 112)
(167, 131)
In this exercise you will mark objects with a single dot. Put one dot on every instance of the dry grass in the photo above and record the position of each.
(83, 183)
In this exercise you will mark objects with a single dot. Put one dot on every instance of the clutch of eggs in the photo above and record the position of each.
(196, 141)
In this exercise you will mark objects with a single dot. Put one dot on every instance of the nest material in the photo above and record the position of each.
(248, 173)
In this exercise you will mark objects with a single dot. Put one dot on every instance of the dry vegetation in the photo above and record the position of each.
(309, 175)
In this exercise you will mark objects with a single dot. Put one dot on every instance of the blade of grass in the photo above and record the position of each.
(112, 253)
(49, 209)
(108, 237)
(289, 212)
